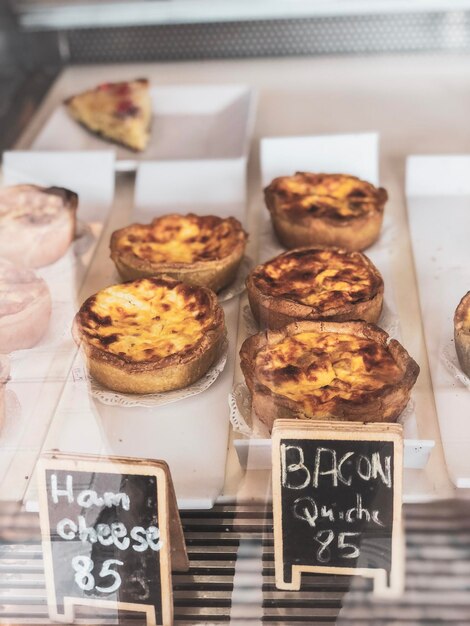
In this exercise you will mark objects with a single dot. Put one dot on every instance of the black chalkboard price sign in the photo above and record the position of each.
(111, 533)
(337, 501)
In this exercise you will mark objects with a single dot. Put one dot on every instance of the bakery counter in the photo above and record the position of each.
(417, 105)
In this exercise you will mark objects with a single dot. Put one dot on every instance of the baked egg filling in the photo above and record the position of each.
(147, 319)
(180, 239)
(314, 368)
(322, 279)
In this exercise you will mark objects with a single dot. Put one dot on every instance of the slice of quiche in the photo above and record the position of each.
(120, 112)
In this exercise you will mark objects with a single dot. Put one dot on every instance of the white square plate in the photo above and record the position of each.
(190, 122)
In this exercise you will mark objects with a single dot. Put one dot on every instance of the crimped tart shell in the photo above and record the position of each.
(215, 273)
(272, 311)
(34, 237)
(462, 333)
(154, 375)
(299, 228)
(381, 405)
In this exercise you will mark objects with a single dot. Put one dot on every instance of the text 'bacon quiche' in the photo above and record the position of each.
(150, 335)
(120, 112)
(462, 333)
(327, 370)
(199, 250)
(325, 209)
(315, 283)
(37, 224)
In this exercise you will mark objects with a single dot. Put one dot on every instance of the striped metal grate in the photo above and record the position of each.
(231, 579)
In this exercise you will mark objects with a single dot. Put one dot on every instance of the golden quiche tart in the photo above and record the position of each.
(325, 209)
(120, 112)
(348, 371)
(199, 250)
(462, 333)
(25, 307)
(150, 335)
(37, 224)
(315, 283)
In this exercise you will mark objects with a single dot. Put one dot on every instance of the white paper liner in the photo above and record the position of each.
(114, 398)
(449, 358)
(247, 424)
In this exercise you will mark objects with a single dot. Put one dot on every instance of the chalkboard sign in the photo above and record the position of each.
(337, 498)
(111, 533)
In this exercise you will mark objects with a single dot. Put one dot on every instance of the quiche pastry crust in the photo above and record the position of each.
(315, 283)
(150, 335)
(198, 250)
(462, 332)
(348, 371)
(325, 209)
(37, 224)
(25, 307)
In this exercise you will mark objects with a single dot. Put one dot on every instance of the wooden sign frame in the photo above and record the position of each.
(341, 431)
(173, 555)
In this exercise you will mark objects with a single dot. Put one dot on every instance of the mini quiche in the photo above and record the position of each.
(462, 333)
(25, 307)
(199, 250)
(150, 335)
(348, 371)
(37, 224)
(120, 112)
(315, 283)
(325, 209)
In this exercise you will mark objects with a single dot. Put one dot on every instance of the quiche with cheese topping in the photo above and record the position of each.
(462, 333)
(315, 283)
(150, 335)
(25, 307)
(120, 112)
(37, 224)
(199, 250)
(325, 209)
(347, 371)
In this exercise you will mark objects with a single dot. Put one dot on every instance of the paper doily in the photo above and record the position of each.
(245, 423)
(114, 398)
(451, 361)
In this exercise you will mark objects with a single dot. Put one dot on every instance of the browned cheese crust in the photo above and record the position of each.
(37, 224)
(315, 283)
(325, 209)
(199, 250)
(150, 335)
(25, 307)
(462, 333)
(348, 371)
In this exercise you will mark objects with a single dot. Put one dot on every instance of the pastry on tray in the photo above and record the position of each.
(120, 112)
(25, 307)
(325, 209)
(462, 333)
(150, 335)
(4, 374)
(315, 283)
(348, 371)
(37, 224)
(199, 250)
